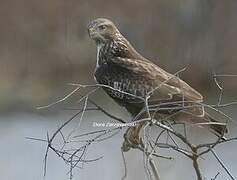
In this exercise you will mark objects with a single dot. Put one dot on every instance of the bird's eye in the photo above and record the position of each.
(102, 27)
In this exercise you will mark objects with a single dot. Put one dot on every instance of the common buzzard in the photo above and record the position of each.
(129, 78)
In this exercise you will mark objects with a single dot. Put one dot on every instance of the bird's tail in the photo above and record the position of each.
(219, 129)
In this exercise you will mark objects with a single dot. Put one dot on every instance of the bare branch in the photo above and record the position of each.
(222, 164)
(73, 150)
(60, 100)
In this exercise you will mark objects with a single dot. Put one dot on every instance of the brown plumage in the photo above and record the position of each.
(133, 77)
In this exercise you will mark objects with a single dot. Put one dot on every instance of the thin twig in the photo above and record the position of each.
(125, 166)
(222, 164)
(60, 100)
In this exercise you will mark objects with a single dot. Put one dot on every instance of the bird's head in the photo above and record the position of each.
(102, 30)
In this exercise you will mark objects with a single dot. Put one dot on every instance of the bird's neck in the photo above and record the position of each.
(126, 48)
(116, 47)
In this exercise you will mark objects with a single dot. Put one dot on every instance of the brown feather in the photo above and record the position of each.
(133, 77)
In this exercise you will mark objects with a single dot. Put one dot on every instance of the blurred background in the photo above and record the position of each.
(44, 45)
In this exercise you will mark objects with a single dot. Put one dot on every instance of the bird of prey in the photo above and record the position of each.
(136, 83)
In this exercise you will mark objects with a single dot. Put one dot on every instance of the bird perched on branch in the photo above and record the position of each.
(138, 84)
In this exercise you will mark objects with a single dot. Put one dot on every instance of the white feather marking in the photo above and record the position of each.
(115, 85)
(98, 55)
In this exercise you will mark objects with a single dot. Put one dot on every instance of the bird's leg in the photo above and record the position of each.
(132, 137)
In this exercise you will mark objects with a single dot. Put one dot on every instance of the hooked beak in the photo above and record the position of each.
(91, 32)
